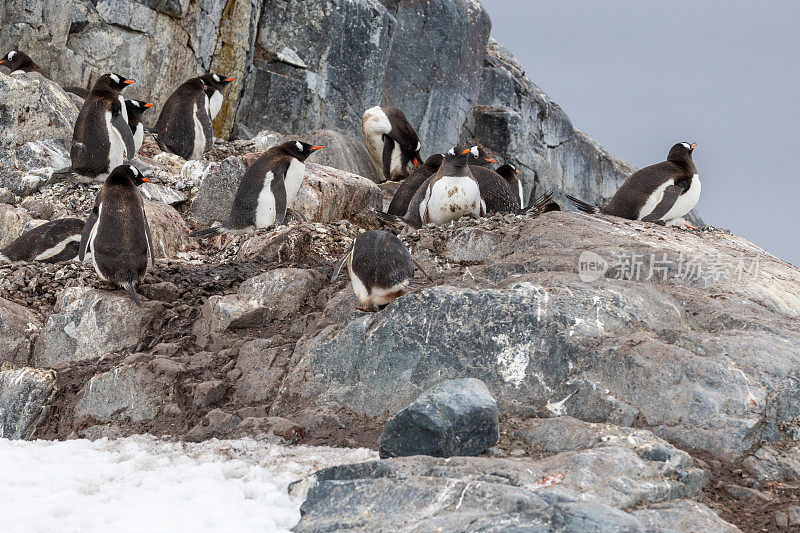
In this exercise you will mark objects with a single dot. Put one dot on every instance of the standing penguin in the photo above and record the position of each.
(266, 189)
(495, 191)
(50, 242)
(117, 233)
(510, 174)
(19, 62)
(102, 139)
(380, 268)
(405, 192)
(215, 83)
(391, 141)
(135, 109)
(450, 193)
(663, 192)
(184, 125)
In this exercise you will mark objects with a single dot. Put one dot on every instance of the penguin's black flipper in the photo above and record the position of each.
(149, 238)
(671, 195)
(128, 285)
(118, 122)
(206, 233)
(583, 206)
(388, 148)
(205, 120)
(87, 231)
(278, 188)
(160, 144)
(341, 262)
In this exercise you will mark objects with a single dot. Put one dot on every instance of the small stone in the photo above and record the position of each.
(209, 393)
(781, 519)
(794, 515)
(745, 493)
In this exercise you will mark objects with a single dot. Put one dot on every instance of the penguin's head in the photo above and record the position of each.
(434, 161)
(111, 82)
(16, 60)
(299, 150)
(460, 156)
(216, 81)
(126, 174)
(681, 151)
(135, 108)
(508, 171)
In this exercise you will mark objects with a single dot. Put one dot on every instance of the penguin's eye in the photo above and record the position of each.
(11, 55)
(299, 145)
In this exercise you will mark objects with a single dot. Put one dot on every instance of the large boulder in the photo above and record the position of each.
(26, 168)
(26, 397)
(168, 229)
(514, 312)
(34, 109)
(89, 323)
(13, 223)
(456, 417)
(18, 329)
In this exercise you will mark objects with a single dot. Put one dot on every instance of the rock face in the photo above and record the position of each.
(13, 222)
(26, 395)
(572, 491)
(167, 227)
(88, 323)
(25, 168)
(18, 328)
(457, 417)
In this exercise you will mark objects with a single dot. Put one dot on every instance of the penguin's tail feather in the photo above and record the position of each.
(583, 206)
(61, 174)
(538, 207)
(207, 233)
(128, 286)
(393, 221)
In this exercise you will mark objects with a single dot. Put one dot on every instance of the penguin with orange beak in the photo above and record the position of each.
(215, 83)
(135, 109)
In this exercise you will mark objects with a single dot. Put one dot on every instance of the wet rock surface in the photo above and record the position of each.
(26, 398)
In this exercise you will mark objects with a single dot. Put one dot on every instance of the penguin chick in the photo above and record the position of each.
(405, 192)
(102, 139)
(663, 192)
(391, 141)
(117, 233)
(215, 83)
(135, 110)
(266, 190)
(380, 268)
(50, 242)
(18, 62)
(184, 124)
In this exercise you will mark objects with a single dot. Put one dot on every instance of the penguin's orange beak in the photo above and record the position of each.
(145, 180)
(229, 79)
(148, 104)
(2, 60)
(490, 160)
(694, 145)
(127, 82)
(466, 151)
(416, 162)
(315, 148)
(516, 172)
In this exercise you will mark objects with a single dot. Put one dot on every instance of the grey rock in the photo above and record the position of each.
(132, 393)
(24, 169)
(272, 296)
(270, 429)
(569, 491)
(167, 227)
(781, 519)
(683, 515)
(89, 323)
(164, 194)
(26, 397)
(216, 189)
(455, 417)
(209, 393)
(18, 329)
(262, 366)
(774, 463)
(34, 109)
(216, 423)
(13, 220)
(793, 515)
(746, 493)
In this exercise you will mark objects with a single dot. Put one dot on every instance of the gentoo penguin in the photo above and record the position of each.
(510, 174)
(495, 191)
(391, 141)
(214, 85)
(663, 192)
(266, 190)
(51, 242)
(18, 62)
(405, 192)
(135, 109)
(184, 125)
(380, 268)
(102, 139)
(450, 193)
(117, 233)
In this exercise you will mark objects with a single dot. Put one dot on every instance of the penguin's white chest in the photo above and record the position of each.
(449, 198)
(214, 104)
(116, 150)
(199, 136)
(90, 246)
(396, 165)
(294, 179)
(521, 197)
(138, 136)
(685, 201)
(265, 209)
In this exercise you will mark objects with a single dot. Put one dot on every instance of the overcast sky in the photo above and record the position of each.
(639, 76)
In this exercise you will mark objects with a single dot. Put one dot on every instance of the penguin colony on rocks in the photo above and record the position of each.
(109, 132)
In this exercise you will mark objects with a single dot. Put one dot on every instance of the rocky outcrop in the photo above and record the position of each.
(25, 168)
(168, 229)
(13, 223)
(18, 329)
(455, 417)
(26, 397)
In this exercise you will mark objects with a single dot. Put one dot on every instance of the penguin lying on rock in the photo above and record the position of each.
(18, 62)
(266, 190)
(50, 242)
(663, 192)
(391, 141)
(380, 268)
(117, 233)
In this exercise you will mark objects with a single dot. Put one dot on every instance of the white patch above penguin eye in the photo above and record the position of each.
(419, 145)
(134, 102)
(216, 78)
(114, 78)
(11, 54)
(452, 151)
(299, 145)
(134, 170)
(687, 145)
(474, 151)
